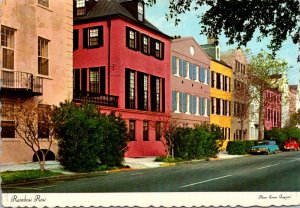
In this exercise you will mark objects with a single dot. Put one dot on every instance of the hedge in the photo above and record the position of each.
(239, 147)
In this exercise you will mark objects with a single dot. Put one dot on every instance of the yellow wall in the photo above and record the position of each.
(222, 121)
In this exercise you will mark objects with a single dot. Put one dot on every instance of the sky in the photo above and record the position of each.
(189, 26)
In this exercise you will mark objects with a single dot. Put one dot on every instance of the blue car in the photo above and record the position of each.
(265, 147)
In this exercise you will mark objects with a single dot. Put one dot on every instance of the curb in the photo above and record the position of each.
(167, 164)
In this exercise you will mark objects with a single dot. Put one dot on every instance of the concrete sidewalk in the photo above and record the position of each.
(135, 163)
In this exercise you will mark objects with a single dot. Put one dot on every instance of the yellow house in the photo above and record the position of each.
(220, 92)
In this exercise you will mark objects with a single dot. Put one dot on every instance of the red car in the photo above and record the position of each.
(291, 144)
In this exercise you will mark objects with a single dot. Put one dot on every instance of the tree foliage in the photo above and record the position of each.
(239, 20)
(265, 72)
(87, 138)
(34, 125)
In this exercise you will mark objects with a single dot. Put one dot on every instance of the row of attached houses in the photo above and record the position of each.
(105, 52)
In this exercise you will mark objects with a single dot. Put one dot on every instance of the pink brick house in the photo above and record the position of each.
(272, 109)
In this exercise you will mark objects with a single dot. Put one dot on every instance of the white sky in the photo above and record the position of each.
(189, 26)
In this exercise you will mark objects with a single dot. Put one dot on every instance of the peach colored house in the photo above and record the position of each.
(190, 82)
(35, 64)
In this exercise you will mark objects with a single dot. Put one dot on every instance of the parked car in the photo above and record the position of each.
(291, 144)
(264, 147)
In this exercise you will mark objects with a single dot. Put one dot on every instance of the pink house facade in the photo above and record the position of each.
(121, 64)
(190, 82)
(272, 109)
(35, 65)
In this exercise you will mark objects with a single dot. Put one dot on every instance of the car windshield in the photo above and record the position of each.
(262, 143)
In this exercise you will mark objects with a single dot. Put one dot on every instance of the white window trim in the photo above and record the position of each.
(177, 67)
(205, 107)
(197, 74)
(187, 70)
(177, 103)
(188, 112)
(197, 106)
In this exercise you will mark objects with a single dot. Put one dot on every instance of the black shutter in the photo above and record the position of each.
(163, 95)
(127, 37)
(83, 80)
(75, 39)
(162, 51)
(140, 90)
(100, 36)
(138, 43)
(76, 82)
(102, 80)
(152, 47)
(153, 93)
(127, 85)
(85, 37)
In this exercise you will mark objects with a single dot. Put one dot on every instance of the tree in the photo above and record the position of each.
(295, 119)
(240, 19)
(265, 72)
(34, 125)
(80, 135)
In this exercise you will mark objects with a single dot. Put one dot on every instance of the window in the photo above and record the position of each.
(44, 3)
(175, 102)
(146, 131)
(130, 89)
(43, 128)
(7, 120)
(132, 39)
(8, 47)
(155, 94)
(142, 91)
(80, 7)
(218, 81)
(145, 44)
(213, 82)
(93, 37)
(158, 48)
(140, 11)
(131, 130)
(43, 60)
(94, 80)
(218, 104)
(158, 131)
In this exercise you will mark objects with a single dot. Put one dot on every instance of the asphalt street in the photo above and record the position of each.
(278, 172)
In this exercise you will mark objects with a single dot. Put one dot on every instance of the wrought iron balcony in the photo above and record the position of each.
(95, 98)
(20, 82)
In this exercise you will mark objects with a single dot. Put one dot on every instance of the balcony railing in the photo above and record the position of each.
(95, 98)
(22, 82)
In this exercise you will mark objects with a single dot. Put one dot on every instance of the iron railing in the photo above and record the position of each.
(95, 98)
(23, 81)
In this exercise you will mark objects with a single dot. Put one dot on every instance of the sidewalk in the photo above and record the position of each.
(135, 163)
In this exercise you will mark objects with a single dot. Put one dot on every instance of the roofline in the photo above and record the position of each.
(116, 16)
(221, 62)
(193, 39)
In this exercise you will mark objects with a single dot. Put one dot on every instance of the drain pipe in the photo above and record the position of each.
(108, 70)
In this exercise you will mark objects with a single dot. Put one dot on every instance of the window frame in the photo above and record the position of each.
(80, 9)
(43, 42)
(145, 130)
(97, 40)
(8, 43)
(8, 108)
(132, 131)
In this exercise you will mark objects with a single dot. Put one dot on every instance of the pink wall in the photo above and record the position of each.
(272, 106)
(121, 58)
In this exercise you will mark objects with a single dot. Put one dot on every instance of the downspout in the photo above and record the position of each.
(108, 69)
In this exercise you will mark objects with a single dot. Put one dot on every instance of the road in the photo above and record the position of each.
(278, 172)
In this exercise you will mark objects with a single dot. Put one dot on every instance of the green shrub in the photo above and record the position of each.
(292, 133)
(276, 134)
(196, 143)
(239, 147)
(115, 141)
(87, 138)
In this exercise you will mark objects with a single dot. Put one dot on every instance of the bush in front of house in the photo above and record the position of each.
(87, 138)
(115, 139)
(198, 142)
(239, 147)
